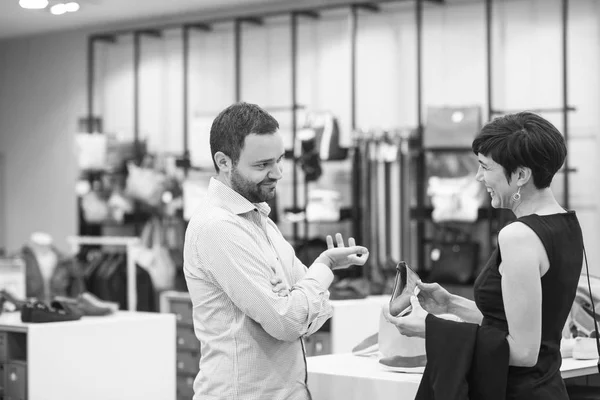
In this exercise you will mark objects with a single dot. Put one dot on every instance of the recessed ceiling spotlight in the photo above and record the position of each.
(58, 9)
(33, 4)
(72, 6)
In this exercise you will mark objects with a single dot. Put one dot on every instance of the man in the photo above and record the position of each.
(253, 300)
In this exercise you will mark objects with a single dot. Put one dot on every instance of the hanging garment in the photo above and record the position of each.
(66, 278)
(145, 184)
(326, 134)
(107, 279)
(308, 158)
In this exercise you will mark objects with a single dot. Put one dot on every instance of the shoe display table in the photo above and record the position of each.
(348, 377)
(126, 355)
(352, 321)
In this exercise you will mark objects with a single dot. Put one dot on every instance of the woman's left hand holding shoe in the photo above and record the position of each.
(412, 325)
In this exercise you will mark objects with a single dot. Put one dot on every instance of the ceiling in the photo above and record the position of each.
(15, 21)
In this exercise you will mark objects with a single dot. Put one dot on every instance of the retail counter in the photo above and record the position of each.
(128, 355)
(348, 377)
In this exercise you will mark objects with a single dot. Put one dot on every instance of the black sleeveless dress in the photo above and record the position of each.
(562, 238)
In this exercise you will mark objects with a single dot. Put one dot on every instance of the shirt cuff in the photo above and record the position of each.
(321, 273)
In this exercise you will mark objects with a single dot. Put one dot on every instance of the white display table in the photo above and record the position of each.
(345, 331)
(348, 377)
(128, 355)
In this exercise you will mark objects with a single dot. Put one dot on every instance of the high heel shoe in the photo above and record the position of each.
(404, 288)
(7, 297)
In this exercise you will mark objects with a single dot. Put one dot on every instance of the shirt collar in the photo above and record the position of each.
(234, 201)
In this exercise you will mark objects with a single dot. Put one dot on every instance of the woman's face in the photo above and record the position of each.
(491, 174)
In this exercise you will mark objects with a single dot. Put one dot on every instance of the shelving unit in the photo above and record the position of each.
(565, 108)
(494, 218)
(128, 243)
(255, 19)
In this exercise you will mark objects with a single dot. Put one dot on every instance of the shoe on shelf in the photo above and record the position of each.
(67, 304)
(92, 305)
(369, 346)
(585, 348)
(39, 312)
(411, 365)
(15, 302)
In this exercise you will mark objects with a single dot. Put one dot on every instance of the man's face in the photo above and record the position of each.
(259, 168)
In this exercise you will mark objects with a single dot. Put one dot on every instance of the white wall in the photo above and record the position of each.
(42, 93)
(2, 205)
(45, 79)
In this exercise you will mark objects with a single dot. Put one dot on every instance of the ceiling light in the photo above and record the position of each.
(33, 4)
(72, 6)
(58, 9)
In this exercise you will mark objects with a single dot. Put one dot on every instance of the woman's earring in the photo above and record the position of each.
(517, 195)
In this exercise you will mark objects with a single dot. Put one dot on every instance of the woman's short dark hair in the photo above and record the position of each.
(523, 140)
(230, 128)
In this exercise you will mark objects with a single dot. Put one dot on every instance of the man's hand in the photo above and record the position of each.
(342, 257)
(279, 287)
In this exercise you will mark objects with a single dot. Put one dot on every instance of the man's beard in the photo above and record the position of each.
(254, 192)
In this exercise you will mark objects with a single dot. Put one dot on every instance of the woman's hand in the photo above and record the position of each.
(341, 257)
(279, 287)
(434, 298)
(412, 325)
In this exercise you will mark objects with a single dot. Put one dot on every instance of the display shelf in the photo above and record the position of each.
(349, 377)
(94, 358)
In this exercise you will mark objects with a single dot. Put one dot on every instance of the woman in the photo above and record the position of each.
(528, 285)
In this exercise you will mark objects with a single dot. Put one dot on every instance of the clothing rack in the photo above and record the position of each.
(128, 242)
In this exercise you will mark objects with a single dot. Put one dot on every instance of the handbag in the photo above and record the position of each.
(145, 184)
(95, 208)
(91, 151)
(153, 255)
(455, 199)
(451, 127)
(454, 257)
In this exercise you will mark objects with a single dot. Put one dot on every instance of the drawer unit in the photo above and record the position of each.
(186, 339)
(188, 346)
(317, 344)
(182, 310)
(58, 361)
(3, 347)
(2, 380)
(187, 363)
(15, 374)
(185, 387)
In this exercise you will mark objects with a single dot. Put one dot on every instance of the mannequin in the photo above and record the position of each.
(40, 244)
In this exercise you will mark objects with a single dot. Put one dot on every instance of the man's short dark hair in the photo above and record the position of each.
(230, 128)
(523, 140)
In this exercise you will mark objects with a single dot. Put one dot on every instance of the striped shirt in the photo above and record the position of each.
(250, 338)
